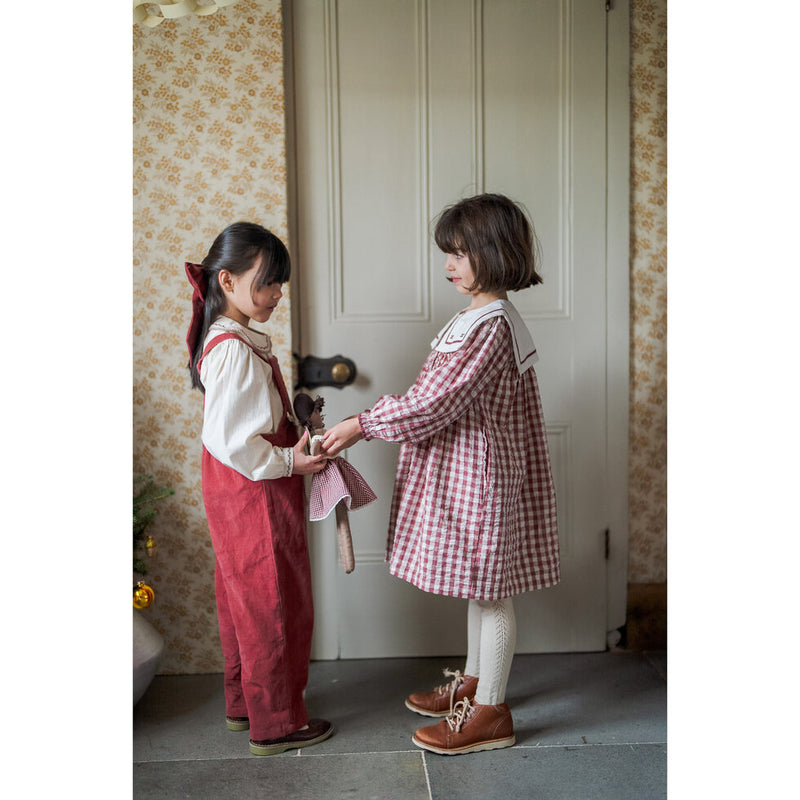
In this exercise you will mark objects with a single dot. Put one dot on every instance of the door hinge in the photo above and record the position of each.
(608, 543)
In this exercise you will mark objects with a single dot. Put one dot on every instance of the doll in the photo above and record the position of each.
(309, 414)
(339, 486)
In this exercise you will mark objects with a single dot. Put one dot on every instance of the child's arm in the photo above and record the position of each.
(439, 396)
(239, 409)
(445, 390)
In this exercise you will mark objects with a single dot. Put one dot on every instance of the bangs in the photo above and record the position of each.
(275, 266)
(449, 234)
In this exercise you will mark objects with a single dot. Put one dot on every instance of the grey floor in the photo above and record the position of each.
(587, 726)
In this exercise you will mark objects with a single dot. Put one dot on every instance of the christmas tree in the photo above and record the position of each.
(145, 495)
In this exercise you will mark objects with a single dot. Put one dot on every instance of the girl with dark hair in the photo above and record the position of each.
(474, 509)
(252, 467)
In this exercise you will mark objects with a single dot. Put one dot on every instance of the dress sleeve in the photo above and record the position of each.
(239, 408)
(447, 386)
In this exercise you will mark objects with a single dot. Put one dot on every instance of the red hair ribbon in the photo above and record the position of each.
(197, 277)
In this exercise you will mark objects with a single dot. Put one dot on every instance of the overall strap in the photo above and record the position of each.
(272, 361)
(221, 338)
(278, 378)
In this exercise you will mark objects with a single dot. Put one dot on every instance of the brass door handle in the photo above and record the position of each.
(313, 371)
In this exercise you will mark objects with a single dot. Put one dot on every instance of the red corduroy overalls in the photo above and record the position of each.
(263, 584)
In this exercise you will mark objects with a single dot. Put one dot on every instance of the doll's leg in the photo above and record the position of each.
(498, 637)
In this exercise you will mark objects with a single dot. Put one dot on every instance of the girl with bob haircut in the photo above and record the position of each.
(473, 512)
(252, 467)
(498, 239)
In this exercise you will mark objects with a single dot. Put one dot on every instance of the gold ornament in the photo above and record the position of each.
(150, 545)
(143, 595)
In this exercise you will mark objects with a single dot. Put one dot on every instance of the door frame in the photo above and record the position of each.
(617, 277)
(618, 184)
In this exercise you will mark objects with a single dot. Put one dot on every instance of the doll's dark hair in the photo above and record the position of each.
(497, 236)
(236, 249)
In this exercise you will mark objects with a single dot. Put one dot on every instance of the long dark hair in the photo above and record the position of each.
(497, 236)
(236, 249)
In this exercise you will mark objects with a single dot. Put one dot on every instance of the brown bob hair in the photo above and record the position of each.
(497, 236)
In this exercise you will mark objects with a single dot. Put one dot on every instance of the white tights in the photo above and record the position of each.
(491, 637)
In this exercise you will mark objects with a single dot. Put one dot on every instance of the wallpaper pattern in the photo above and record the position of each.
(647, 492)
(209, 149)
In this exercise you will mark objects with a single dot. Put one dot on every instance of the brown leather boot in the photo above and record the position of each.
(440, 702)
(469, 729)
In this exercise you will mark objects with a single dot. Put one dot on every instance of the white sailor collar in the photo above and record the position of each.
(455, 333)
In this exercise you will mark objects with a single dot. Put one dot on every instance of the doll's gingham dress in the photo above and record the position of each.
(474, 509)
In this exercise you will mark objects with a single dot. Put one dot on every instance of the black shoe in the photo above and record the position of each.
(317, 731)
(237, 723)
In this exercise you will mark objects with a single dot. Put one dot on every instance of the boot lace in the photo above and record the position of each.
(462, 711)
(451, 687)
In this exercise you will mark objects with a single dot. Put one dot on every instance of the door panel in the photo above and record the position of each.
(399, 109)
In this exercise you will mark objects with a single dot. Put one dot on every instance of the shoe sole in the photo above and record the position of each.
(276, 749)
(236, 726)
(425, 712)
(494, 744)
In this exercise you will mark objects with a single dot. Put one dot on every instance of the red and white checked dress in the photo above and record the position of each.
(474, 508)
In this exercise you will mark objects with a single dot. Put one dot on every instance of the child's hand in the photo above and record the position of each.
(341, 436)
(305, 464)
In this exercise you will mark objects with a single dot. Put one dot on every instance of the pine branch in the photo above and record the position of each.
(144, 513)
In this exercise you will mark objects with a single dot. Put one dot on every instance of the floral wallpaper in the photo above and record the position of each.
(648, 402)
(209, 149)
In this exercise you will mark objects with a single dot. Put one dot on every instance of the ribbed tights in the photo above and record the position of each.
(491, 637)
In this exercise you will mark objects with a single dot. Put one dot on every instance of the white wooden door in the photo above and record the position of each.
(397, 108)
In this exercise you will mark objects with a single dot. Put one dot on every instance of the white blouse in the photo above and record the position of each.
(242, 402)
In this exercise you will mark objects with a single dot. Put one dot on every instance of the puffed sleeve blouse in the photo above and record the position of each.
(242, 404)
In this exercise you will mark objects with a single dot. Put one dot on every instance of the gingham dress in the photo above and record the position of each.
(474, 509)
